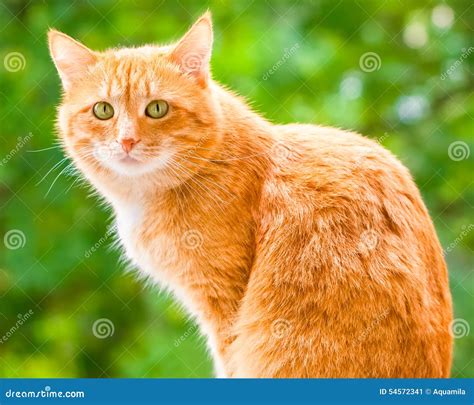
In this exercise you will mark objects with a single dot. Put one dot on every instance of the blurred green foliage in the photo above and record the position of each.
(297, 61)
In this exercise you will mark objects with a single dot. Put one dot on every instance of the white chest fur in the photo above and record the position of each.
(158, 256)
(129, 219)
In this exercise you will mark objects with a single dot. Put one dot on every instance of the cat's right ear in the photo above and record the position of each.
(71, 58)
(192, 53)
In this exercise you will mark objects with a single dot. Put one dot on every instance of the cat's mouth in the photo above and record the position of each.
(130, 165)
(128, 160)
(137, 162)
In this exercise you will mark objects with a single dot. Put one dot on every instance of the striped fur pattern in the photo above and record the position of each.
(301, 251)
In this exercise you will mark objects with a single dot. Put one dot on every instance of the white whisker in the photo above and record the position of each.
(50, 170)
(42, 150)
(57, 177)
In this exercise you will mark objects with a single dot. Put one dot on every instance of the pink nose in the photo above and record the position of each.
(128, 144)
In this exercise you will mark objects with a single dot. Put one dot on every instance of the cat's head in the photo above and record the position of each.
(135, 113)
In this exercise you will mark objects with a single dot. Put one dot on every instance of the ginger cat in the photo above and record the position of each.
(302, 251)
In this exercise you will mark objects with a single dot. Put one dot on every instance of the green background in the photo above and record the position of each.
(296, 61)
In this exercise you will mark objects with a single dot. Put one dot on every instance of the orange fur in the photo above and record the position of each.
(302, 251)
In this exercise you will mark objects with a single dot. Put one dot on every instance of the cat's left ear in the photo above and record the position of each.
(193, 52)
(72, 59)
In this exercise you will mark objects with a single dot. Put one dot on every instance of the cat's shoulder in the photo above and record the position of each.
(326, 154)
(332, 166)
(325, 143)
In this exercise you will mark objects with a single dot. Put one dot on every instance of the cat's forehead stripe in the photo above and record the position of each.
(110, 88)
(128, 77)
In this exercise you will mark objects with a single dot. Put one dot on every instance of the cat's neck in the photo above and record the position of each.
(238, 116)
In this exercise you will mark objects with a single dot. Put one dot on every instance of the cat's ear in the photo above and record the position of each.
(193, 52)
(72, 59)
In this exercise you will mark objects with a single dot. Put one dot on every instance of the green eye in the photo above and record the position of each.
(157, 109)
(103, 110)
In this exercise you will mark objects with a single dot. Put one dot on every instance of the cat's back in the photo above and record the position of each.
(323, 170)
(326, 179)
(343, 234)
(325, 156)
